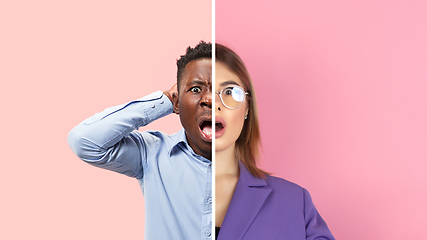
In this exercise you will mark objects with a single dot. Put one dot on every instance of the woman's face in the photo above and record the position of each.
(231, 120)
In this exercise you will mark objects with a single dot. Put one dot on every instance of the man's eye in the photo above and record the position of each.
(195, 89)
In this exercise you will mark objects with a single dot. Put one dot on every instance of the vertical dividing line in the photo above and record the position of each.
(213, 119)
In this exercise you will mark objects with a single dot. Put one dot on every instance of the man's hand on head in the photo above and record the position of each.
(171, 92)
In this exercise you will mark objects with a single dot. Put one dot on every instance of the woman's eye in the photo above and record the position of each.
(195, 89)
(228, 91)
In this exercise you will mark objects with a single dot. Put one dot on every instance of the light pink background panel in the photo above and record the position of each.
(61, 62)
(342, 90)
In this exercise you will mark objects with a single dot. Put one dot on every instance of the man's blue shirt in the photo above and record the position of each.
(175, 181)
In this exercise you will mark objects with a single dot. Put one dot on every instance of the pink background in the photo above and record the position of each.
(60, 62)
(342, 90)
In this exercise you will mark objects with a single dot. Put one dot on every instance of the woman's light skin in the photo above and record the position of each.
(226, 165)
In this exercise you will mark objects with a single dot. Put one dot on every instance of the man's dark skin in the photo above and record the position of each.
(193, 103)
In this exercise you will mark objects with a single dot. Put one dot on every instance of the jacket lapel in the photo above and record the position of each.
(249, 196)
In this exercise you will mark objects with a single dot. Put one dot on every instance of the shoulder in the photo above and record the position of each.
(277, 182)
(156, 134)
(284, 188)
(156, 137)
(293, 193)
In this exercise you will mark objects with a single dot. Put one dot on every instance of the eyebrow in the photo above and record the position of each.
(197, 81)
(229, 82)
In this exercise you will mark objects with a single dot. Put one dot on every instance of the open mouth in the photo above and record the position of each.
(206, 130)
(218, 126)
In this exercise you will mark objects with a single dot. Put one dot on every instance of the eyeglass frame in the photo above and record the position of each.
(225, 105)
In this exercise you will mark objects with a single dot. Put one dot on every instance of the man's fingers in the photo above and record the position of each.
(172, 94)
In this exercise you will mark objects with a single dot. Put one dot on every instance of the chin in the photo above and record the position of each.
(221, 145)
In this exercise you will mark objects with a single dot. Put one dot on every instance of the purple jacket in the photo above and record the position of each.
(271, 208)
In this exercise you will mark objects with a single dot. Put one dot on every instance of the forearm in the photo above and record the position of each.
(103, 139)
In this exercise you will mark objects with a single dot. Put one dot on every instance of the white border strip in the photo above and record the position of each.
(213, 119)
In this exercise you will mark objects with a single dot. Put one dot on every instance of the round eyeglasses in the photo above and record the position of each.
(232, 97)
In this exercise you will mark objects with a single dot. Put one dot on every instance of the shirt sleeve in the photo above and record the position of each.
(107, 140)
(315, 227)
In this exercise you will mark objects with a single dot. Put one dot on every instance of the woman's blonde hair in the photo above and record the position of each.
(249, 142)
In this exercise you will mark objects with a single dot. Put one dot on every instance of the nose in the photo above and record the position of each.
(218, 102)
(206, 99)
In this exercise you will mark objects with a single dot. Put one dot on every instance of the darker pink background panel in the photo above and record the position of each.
(341, 88)
(61, 62)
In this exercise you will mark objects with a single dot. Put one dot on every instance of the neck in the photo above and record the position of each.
(226, 162)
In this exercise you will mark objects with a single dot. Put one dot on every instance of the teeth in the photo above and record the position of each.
(207, 129)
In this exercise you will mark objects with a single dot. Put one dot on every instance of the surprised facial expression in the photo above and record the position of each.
(228, 122)
(194, 105)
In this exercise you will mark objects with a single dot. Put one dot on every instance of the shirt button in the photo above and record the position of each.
(208, 233)
(210, 200)
(152, 106)
(161, 101)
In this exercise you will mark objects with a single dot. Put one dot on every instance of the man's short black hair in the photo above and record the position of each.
(201, 50)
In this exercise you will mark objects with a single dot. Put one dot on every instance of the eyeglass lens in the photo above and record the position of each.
(233, 97)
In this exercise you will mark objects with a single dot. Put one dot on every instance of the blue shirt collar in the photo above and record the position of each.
(180, 141)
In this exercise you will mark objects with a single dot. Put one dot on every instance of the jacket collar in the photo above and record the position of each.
(248, 197)
(248, 179)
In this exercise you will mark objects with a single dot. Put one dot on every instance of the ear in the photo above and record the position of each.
(175, 102)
